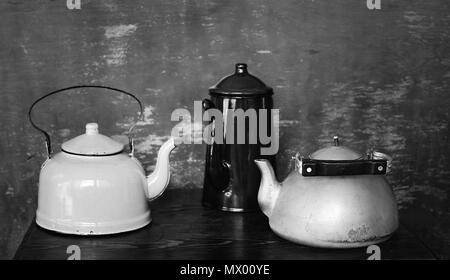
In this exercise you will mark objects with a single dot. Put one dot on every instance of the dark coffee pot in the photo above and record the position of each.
(232, 178)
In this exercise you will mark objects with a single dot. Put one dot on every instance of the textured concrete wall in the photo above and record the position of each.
(376, 78)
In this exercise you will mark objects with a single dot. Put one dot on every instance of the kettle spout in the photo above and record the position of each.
(159, 179)
(269, 187)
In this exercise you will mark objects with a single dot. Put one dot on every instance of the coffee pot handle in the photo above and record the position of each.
(207, 104)
(47, 136)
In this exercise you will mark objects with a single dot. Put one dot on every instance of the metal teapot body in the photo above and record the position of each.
(332, 210)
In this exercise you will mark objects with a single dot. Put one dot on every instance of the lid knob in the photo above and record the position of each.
(241, 68)
(92, 129)
(336, 140)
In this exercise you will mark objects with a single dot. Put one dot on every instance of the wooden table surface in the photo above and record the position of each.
(183, 229)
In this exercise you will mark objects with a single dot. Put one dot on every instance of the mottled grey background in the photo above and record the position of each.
(375, 78)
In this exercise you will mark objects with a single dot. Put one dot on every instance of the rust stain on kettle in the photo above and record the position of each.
(360, 233)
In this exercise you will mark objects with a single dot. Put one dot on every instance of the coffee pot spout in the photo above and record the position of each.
(159, 179)
(269, 187)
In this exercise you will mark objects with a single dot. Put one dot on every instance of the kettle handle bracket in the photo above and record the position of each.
(131, 145)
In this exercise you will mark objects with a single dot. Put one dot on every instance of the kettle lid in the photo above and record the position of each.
(92, 143)
(336, 152)
(241, 83)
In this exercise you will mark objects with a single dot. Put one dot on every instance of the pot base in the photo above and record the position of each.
(229, 209)
(333, 244)
(90, 228)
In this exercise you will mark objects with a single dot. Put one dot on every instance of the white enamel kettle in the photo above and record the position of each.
(93, 187)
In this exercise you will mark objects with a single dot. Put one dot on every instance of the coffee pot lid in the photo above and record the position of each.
(336, 152)
(241, 83)
(92, 143)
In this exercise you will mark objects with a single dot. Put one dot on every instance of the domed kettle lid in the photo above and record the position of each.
(92, 143)
(336, 152)
(241, 83)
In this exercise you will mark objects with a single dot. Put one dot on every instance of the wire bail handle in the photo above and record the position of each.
(47, 136)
